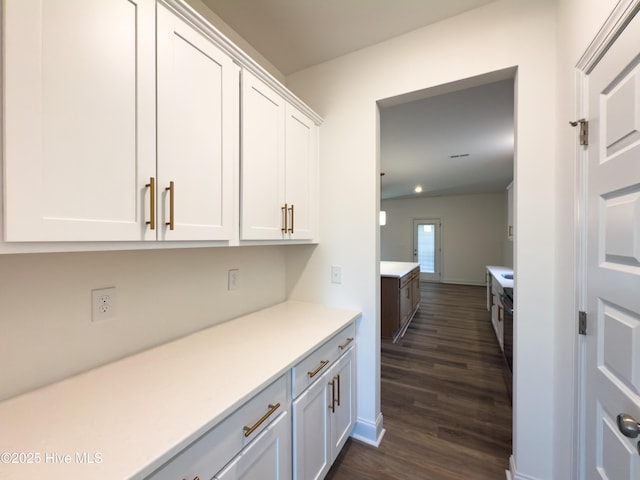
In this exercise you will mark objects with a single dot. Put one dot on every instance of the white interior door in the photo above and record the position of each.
(613, 262)
(426, 248)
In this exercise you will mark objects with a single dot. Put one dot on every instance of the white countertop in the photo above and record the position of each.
(138, 412)
(396, 269)
(497, 272)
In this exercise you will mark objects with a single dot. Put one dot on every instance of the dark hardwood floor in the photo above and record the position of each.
(447, 413)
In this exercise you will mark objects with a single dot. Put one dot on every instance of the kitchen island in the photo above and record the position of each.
(399, 296)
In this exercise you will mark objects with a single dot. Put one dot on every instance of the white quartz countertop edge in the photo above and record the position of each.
(140, 411)
(498, 271)
(396, 269)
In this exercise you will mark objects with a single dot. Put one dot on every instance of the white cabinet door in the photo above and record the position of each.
(343, 416)
(263, 176)
(198, 115)
(301, 174)
(79, 118)
(268, 457)
(279, 166)
(311, 447)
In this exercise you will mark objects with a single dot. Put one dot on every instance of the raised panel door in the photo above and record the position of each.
(613, 261)
(263, 209)
(79, 119)
(198, 115)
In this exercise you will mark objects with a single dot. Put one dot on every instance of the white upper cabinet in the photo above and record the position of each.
(279, 166)
(79, 119)
(263, 176)
(198, 115)
(301, 152)
(122, 123)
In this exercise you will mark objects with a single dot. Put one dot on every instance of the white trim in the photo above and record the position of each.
(512, 473)
(613, 26)
(368, 432)
(580, 277)
(240, 57)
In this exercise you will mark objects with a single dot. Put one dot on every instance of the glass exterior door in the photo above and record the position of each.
(426, 248)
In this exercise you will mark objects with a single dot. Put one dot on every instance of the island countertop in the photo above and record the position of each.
(497, 272)
(396, 269)
(132, 415)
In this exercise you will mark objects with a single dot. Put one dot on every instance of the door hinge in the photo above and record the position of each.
(584, 130)
(582, 323)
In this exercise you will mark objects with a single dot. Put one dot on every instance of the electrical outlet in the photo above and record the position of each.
(103, 303)
(234, 279)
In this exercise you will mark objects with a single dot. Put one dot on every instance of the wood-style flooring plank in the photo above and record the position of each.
(446, 408)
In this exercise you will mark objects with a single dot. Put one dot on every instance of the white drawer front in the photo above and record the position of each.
(308, 370)
(211, 452)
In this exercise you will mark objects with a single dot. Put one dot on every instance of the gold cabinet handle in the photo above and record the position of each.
(323, 363)
(291, 210)
(171, 190)
(346, 344)
(284, 218)
(152, 203)
(249, 430)
(333, 396)
(337, 377)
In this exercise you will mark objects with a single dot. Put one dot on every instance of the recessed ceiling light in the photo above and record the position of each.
(418, 189)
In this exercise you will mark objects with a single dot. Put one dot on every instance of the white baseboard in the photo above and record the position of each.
(513, 474)
(369, 432)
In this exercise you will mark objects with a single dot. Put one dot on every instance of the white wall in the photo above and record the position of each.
(231, 34)
(473, 233)
(46, 331)
(345, 91)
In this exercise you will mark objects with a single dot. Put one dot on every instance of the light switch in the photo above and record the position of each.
(336, 274)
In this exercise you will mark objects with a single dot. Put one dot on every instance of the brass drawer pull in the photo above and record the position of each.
(152, 203)
(249, 430)
(333, 396)
(171, 190)
(323, 364)
(284, 209)
(346, 344)
(291, 227)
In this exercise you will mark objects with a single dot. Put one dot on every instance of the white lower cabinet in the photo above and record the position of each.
(343, 414)
(310, 420)
(323, 416)
(268, 457)
(272, 438)
(256, 436)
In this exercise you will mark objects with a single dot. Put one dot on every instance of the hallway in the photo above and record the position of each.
(446, 409)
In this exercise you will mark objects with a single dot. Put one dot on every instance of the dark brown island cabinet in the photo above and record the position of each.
(400, 297)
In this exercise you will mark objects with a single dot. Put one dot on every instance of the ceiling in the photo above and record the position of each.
(459, 142)
(296, 34)
(418, 135)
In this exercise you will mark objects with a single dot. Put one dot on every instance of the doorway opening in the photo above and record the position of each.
(436, 167)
